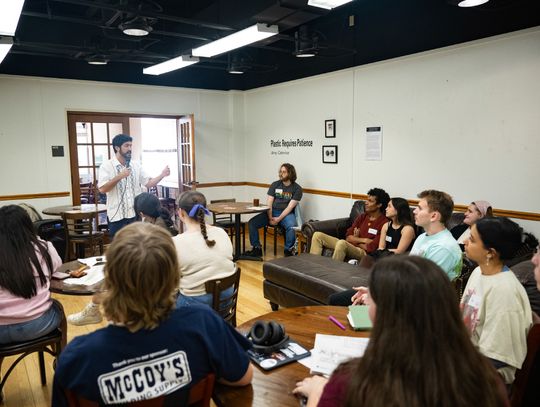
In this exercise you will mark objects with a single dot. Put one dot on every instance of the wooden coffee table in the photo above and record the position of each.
(274, 388)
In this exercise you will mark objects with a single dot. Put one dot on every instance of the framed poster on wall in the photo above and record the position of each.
(330, 128)
(329, 154)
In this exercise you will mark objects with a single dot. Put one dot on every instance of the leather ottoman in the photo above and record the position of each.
(308, 279)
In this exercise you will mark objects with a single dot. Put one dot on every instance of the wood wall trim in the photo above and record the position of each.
(457, 208)
(221, 184)
(21, 197)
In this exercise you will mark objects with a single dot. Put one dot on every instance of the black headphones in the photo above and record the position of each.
(267, 336)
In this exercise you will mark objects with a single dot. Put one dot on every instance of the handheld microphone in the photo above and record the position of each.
(127, 162)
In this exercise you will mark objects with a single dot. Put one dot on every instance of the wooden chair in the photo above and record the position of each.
(279, 229)
(88, 193)
(53, 343)
(524, 391)
(200, 395)
(226, 306)
(226, 221)
(79, 230)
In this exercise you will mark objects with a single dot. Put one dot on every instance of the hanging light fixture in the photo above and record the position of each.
(306, 43)
(236, 65)
(97, 59)
(236, 40)
(327, 4)
(137, 27)
(171, 65)
(5, 45)
(10, 12)
(467, 3)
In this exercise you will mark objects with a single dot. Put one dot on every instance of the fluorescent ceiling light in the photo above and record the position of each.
(171, 65)
(5, 46)
(10, 11)
(471, 3)
(328, 4)
(247, 36)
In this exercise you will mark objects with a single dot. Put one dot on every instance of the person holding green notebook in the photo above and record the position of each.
(419, 350)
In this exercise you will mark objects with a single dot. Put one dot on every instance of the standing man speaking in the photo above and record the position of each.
(122, 180)
(283, 196)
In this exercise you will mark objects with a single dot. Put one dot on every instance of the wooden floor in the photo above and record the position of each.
(23, 387)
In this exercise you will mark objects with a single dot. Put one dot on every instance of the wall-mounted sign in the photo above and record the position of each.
(373, 143)
(57, 151)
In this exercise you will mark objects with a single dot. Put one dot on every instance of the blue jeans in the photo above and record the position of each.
(116, 226)
(261, 220)
(186, 301)
(35, 328)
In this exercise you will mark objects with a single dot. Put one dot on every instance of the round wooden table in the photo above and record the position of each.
(274, 388)
(236, 209)
(58, 210)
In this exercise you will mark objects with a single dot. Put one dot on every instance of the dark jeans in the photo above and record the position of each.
(343, 298)
(116, 226)
(261, 220)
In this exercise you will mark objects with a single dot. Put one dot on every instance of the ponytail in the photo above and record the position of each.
(202, 222)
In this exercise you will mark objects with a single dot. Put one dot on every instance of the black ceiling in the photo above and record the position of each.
(55, 38)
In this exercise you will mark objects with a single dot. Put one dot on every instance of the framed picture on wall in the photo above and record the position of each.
(330, 128)
(329, 154)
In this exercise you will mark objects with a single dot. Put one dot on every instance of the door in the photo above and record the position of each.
(186, 154)
(90, 138)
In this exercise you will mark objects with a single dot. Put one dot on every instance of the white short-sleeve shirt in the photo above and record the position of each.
(120, 199)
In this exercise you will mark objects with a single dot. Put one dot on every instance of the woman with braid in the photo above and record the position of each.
(204, 252)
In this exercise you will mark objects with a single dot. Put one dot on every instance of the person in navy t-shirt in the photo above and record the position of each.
(150, 349)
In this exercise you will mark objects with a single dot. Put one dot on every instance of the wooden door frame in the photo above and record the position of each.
(73, 118)
(79, 116)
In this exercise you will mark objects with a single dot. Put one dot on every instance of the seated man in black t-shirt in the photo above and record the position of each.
(283, 196)
(150, 348)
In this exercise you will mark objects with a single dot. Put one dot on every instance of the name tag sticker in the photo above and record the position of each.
(475, 301)
(389, 239)
(279, 191)
(372, 231)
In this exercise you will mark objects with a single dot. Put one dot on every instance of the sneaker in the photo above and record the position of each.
(288, 253)
(89, 315)
(254, 252)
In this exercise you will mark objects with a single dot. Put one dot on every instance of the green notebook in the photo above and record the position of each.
(358, 317)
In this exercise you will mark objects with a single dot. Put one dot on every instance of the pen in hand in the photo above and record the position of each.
(335, 321)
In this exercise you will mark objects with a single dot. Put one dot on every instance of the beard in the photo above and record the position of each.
(126, 156)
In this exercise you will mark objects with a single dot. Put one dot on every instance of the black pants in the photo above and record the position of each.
(343, 298)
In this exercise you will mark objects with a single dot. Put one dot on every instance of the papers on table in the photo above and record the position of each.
(93, 275)
(257, 208)
(91, 261)
(332, 350)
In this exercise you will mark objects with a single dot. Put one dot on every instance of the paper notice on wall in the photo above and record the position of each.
(373, 143)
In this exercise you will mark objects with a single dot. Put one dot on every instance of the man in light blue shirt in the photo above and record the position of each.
(437, 243)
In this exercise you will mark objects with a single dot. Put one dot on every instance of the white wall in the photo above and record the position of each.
(33, 117)
(464, 119)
